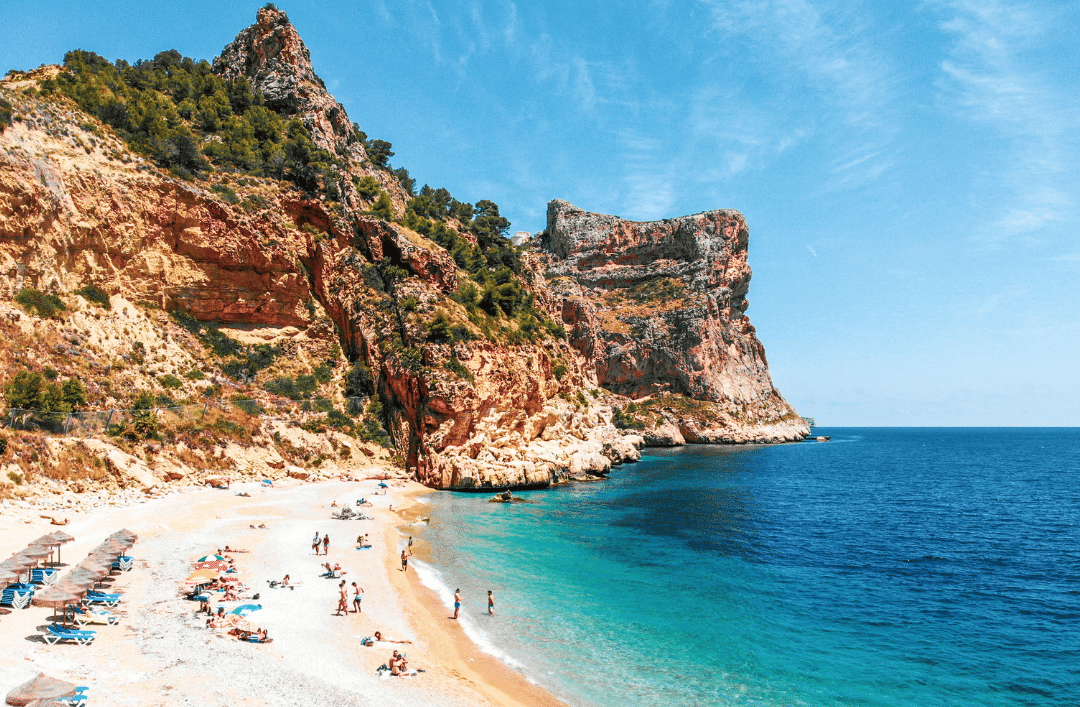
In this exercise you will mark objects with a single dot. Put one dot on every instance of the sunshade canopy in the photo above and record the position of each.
(245, 609)
(211, 558)
(42, 687)
(58, 596)
(62, 536)
(204, 574)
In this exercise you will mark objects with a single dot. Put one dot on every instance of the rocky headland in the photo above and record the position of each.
(253, 253)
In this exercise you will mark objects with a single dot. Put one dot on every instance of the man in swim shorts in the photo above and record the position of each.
(326, 544)
(404, 562)
(491, 603)
(357, 591)
(457, 602)
(315, 543)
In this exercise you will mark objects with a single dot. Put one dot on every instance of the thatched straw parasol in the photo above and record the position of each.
(57, 597)
(42, 687)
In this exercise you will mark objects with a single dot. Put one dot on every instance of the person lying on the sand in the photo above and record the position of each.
(379, 639)
(333, 504)
(285, 581)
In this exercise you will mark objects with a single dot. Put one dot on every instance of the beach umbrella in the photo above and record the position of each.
(203, 575)
(125, 535)
(42, 687)
(245, 609)
(62, 536)
(57, 597)
(211, 558)
(7, 577)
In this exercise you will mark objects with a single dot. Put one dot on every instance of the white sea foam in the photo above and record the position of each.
(430, 578)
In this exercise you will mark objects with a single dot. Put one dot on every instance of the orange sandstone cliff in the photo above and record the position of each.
(617, 334)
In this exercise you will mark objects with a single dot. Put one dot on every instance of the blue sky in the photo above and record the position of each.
(909, 171)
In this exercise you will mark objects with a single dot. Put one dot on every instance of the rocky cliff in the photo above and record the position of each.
(659, 310)
(301, 272)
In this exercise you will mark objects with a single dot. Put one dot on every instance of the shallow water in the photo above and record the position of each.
(886, 567)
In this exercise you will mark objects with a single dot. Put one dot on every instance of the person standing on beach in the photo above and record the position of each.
(457, 602)
(315, 543)
(326, 544)
(410, 546)
(491, 603)
(404, 562)
(357, 591)
(343, 599)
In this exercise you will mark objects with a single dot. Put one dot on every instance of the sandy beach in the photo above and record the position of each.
(161, 652)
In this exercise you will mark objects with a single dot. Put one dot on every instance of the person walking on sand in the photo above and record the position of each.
(410, 546)
(457, 602)
(491, 603)
(315, 543)
(404, 562)
(357, 591)
(326, 544)
(343, 599)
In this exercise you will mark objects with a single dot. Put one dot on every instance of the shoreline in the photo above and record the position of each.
(498, 681)
(161, 651)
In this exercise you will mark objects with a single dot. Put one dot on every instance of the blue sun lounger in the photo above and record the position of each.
(56, 633)
(17, 596)
(79, 698)
(101, 598)
(43, 575)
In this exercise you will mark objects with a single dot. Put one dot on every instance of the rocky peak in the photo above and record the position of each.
(271, 55)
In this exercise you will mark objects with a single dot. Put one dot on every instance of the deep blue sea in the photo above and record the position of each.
(932, 566)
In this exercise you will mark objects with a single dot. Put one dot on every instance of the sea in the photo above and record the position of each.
(887, 566)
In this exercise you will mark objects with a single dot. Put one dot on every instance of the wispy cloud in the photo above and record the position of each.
(988, 79)
(834, 63)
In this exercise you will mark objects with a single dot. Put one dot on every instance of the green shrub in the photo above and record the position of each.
(3, 446)
(95, 296)
(358, 381)
(624, 419)
(383, 208)
(368, 187)
(225, 193)
(372, 429)
(50, 373)
(170, 381)
(323, 373)
(33, 300)
(195, 375)
(251, 407)
(5, 114)
(29, 390)
(559, 371)
(456, 366)
(306, 383)
(410, 303)
(284, 386)
(74, 393)
(144, 416)
(441, 329)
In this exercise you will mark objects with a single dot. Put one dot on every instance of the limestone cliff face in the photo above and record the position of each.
(659, 308)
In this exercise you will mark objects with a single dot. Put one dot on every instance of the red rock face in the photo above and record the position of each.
(659, 307)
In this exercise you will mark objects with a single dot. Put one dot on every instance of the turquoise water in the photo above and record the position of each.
(886, 567)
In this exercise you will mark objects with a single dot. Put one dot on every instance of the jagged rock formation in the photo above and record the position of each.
(488, 407)
(277, 63)
(660, 307)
